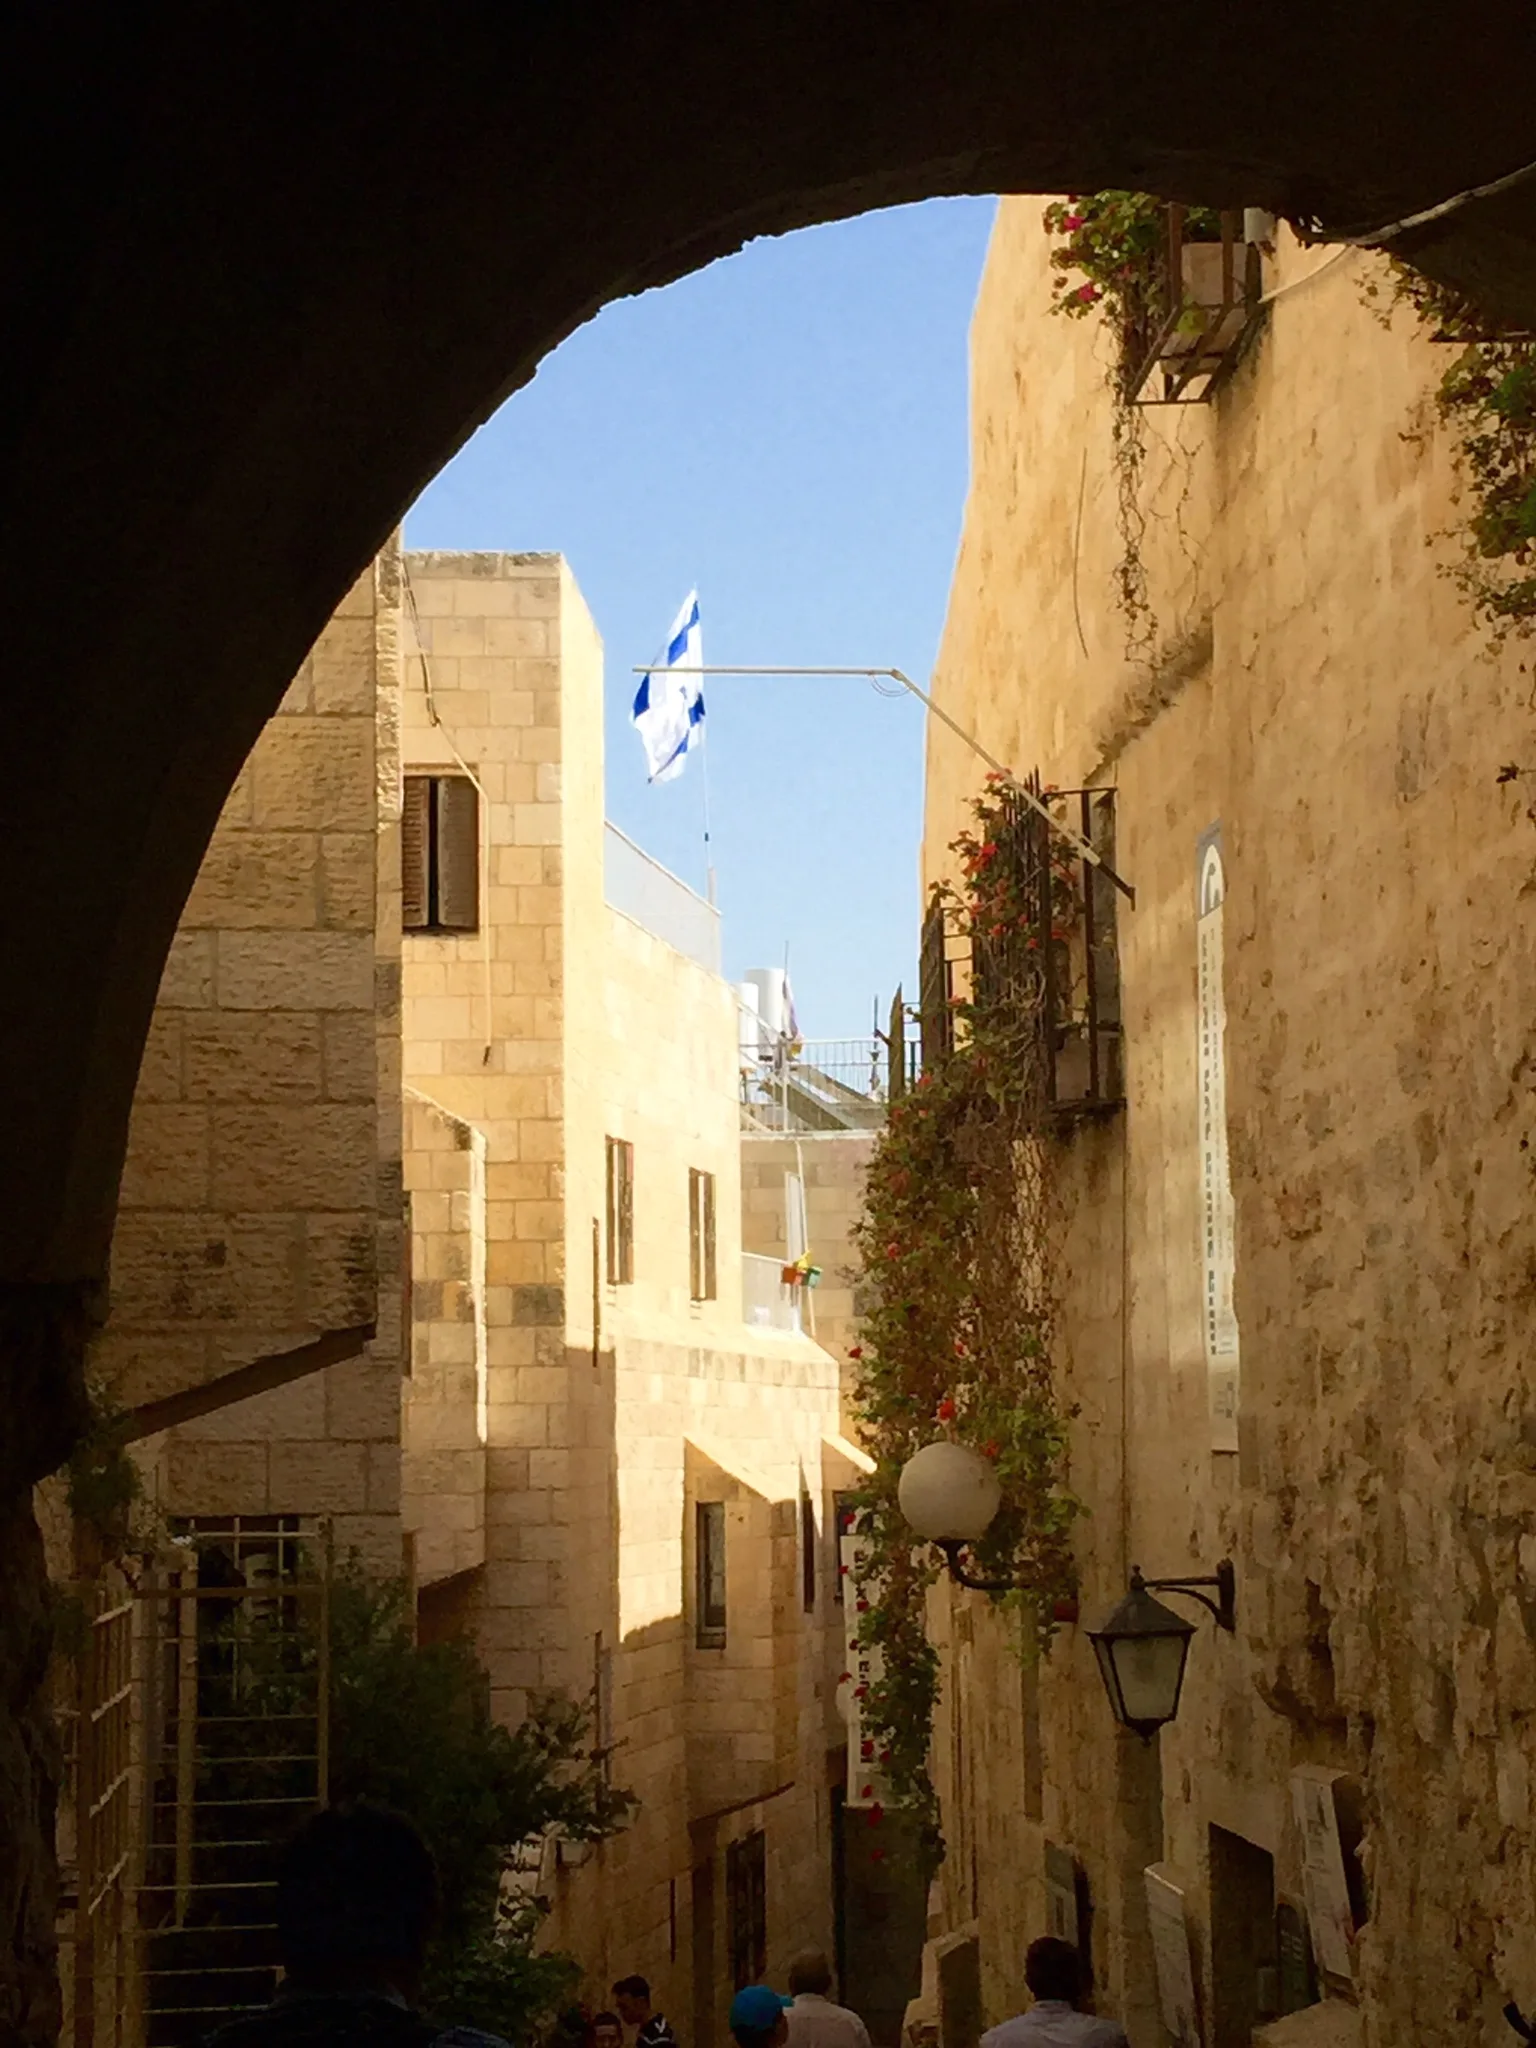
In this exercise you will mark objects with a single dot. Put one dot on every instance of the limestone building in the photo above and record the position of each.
(259, 1227)
(1330, 878)
(617, 1480)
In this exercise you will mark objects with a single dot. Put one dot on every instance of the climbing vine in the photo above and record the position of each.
(1111, 263)
(955, 1246)
(1486, 397)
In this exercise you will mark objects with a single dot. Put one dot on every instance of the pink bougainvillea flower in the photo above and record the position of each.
(893, 1251)
(1087, 293)
(1072, 222)
(946, 1410)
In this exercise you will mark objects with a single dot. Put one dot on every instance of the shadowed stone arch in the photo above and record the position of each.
(265, 274)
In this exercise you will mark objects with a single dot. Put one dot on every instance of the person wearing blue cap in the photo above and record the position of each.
(758, 2017)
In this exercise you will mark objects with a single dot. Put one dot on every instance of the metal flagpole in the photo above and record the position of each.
(1087, 851)
(709, 851)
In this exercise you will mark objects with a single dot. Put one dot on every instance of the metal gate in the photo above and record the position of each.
(195, 1712)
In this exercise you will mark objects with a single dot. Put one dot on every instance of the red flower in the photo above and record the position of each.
(845, 1678)
(1087, 293)
(876, 1814)
(855, 1350)
(893, 1251)
(862, 1607)
(990, 1448)
(877, 1855)
(861, 1692)
(1072, 222)
(959, 1345)
(946, 1410)
(868, 1792)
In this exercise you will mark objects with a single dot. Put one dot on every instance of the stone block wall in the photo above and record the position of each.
(446, 1383)
(1318, 689)
(559, 1024)
(261, 1195)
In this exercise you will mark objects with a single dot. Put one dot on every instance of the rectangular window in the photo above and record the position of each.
(701, 1235)
(709, 1566)
(746, 1894)
(807, 1553)
(621, 1212)
(440, 854)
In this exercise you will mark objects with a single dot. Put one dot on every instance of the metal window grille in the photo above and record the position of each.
(197, 1717)
(746, 1892)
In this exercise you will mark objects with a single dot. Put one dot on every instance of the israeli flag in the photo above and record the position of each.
(669, 704)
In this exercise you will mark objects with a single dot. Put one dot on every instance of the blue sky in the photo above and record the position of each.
(787, 431)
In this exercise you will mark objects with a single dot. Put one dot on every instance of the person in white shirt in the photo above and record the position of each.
(1054, 1974)
(814, 2021)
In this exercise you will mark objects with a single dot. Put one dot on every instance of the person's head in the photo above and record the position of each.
(757, 2018)
(356, 1898)
(810, 1971)
(607, 2031)
(632, 1995)
(1052, 1970)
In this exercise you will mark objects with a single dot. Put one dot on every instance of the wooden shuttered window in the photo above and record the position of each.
(621, 1212)
(456, 847)
(415, 859)
(440, 854)
(701, 1235)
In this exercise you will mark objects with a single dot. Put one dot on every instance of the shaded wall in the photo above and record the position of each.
(1319, 691)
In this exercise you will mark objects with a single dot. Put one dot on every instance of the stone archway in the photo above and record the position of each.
(263, 284)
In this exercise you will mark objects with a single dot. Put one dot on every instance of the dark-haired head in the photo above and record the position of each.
(1052, 1970)
(356, 1898)
(632, 1995)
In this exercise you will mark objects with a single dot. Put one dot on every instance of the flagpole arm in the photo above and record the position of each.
(1088, 851)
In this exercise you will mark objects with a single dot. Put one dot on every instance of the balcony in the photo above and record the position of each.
(828, 1084)
(1201, 305)
(766, 1303)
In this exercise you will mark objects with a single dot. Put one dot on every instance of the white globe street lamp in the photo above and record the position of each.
(949, 1494)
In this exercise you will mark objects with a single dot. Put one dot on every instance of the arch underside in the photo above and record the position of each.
(265, 285)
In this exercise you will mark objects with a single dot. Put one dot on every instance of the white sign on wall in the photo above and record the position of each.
(866, 1780)
(1218, 1226)
(1169, 1929)
(1330, 1919)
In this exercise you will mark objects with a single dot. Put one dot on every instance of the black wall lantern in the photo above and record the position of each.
(1143, 1647)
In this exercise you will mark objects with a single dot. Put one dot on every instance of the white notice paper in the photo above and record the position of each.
(1218, 1226)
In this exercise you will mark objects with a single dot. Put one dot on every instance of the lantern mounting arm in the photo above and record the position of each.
(953, 1548)
(1223, 1609)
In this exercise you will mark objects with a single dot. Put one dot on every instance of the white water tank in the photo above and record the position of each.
(772, 986)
